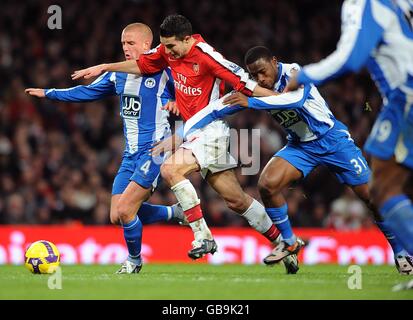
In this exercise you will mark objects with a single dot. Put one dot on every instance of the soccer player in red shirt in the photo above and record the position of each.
(199, 73)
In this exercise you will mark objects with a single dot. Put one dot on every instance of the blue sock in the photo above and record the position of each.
(132, 232)
(280, 218)
(151, 213)
(397, 212)
(391, 238)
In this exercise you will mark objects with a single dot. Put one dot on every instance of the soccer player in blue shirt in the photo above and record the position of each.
(378, 34)
(315, 137)
(145, 122)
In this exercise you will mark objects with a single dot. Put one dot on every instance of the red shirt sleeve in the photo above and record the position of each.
(230, 72)
(152, 61)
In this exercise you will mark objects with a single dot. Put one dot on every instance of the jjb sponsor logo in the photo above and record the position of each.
(131, 106)
(286, 118)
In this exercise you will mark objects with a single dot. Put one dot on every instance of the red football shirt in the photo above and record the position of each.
(199, 76)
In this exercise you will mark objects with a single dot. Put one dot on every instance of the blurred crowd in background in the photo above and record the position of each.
(58, 160)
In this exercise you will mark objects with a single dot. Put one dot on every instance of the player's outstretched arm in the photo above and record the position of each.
(128, 66)
(36, 92)
(284, 101)
(102, 87)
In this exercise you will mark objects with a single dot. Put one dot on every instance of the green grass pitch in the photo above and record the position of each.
(199, 281)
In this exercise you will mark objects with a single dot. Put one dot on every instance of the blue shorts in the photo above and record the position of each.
(336, 150)
(139, 167)
(392, 134)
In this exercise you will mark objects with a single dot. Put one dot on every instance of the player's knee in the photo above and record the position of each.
(168, 172)
(124, 212)
(267, 187)
(387, 180)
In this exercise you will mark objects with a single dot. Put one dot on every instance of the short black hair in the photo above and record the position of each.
(257, 53)
(175, 25)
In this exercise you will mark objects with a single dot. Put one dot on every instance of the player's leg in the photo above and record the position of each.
(227, 186)
(225, 183)
(403, 261)
(391, 146)
(277, 175)
(130, 190)
(114, 216)
(128, 205)
(174, 171)
(148, 213)
(351, 168)
(396, 208)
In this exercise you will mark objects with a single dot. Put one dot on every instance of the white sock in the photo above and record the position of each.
(257, 217)
(201, 230)
(186, 194)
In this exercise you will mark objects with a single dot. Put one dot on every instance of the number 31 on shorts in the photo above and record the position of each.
(358, 164)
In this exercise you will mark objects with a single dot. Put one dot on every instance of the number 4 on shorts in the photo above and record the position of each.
(145, 167)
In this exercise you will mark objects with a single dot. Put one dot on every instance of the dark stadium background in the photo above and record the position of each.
(58, 160)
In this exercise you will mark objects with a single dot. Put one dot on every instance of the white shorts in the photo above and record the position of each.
(210, 145)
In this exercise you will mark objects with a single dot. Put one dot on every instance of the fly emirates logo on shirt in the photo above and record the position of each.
(180, 84)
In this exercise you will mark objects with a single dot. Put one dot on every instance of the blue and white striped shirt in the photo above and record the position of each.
(141, 99)
(374, 33)
(303, 113)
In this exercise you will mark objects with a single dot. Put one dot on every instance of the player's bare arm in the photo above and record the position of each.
(240, 99)
(262, 92)
(128, 66)
(36, 92)
(292, 85)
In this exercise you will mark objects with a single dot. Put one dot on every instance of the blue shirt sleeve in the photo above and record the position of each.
(213, 111)
(360, 34)
(169, 91)
(101, 87)
(284, 101)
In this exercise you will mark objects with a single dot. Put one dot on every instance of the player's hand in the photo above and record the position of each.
(165, 145)
(292, 85)
(235, 99)
(89, 72)
(36, 92)
(172, 107)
